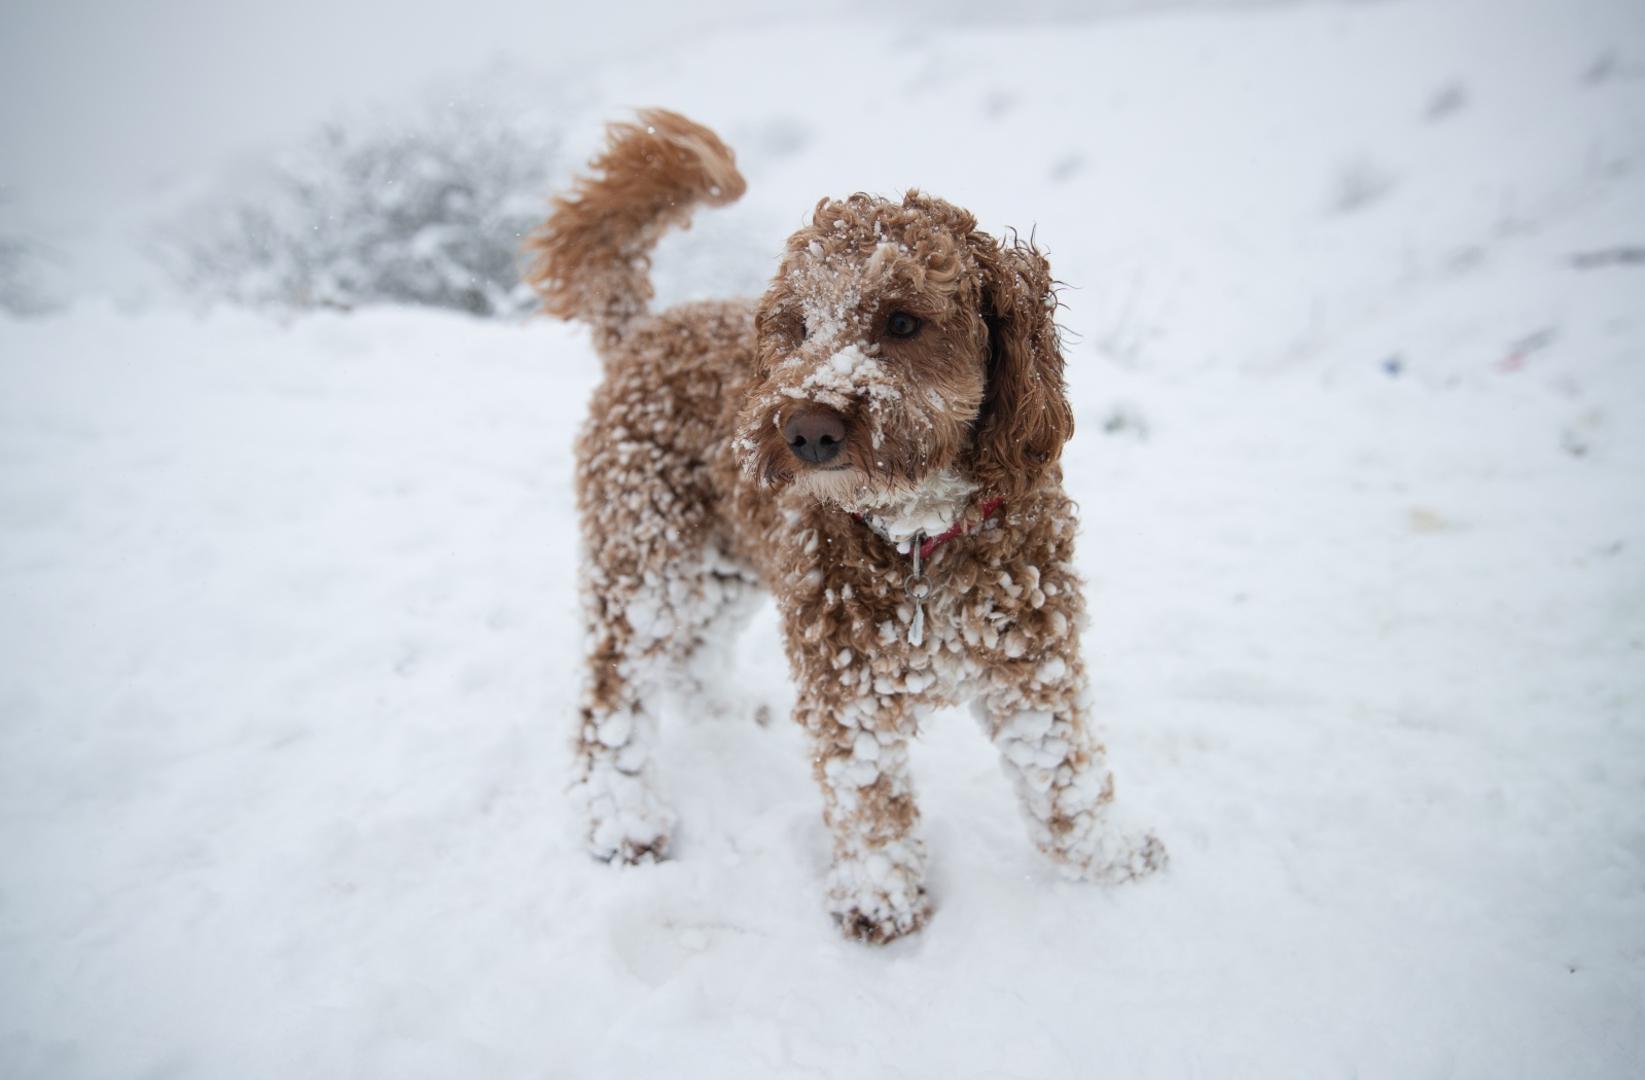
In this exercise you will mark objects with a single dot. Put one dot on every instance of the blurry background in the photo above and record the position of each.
(114, 110)
(289, 641)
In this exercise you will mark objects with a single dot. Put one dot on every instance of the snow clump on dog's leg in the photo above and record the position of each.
(1060, 772)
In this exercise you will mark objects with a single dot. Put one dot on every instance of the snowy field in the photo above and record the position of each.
(289, 640)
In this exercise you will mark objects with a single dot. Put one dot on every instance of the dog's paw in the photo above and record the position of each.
(880, 896)
(1116, 858)
(612, 846)
(627, 821)
(632, 852)
(878, 922)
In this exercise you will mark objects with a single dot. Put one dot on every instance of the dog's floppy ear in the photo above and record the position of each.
(1025, 417)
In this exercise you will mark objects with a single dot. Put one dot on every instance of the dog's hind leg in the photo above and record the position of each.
(655, 578)
(627, 819)
(643, 626)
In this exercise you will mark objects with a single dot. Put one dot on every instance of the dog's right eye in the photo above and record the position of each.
(900, 324)
(789, 326)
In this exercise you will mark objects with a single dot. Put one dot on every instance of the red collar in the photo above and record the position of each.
(959, 528)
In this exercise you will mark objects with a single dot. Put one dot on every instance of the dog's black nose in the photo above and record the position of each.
(815, 435)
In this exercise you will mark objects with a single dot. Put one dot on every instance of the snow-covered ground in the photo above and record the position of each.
(288, 635)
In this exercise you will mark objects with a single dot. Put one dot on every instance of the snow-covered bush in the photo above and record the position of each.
(424, 209)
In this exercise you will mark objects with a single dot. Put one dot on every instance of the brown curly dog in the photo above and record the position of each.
(875, 441)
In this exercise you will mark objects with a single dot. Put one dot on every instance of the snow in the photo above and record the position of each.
(290, 627)
(847, 375)
(929, 510)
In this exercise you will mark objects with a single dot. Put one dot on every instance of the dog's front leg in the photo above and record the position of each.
(876, 886)
(1035, 714)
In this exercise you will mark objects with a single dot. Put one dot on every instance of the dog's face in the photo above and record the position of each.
(895, 343)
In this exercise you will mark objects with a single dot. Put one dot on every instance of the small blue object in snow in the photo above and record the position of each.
(1393, 366)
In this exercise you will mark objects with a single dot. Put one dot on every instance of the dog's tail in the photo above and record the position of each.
(591, 260)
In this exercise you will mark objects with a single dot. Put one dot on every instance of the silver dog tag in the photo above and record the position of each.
(917, 587)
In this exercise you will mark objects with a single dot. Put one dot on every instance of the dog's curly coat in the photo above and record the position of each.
(901, 376)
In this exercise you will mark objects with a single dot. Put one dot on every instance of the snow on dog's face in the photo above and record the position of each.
(895, 344)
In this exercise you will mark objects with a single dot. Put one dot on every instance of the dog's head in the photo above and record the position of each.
(897, 342)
